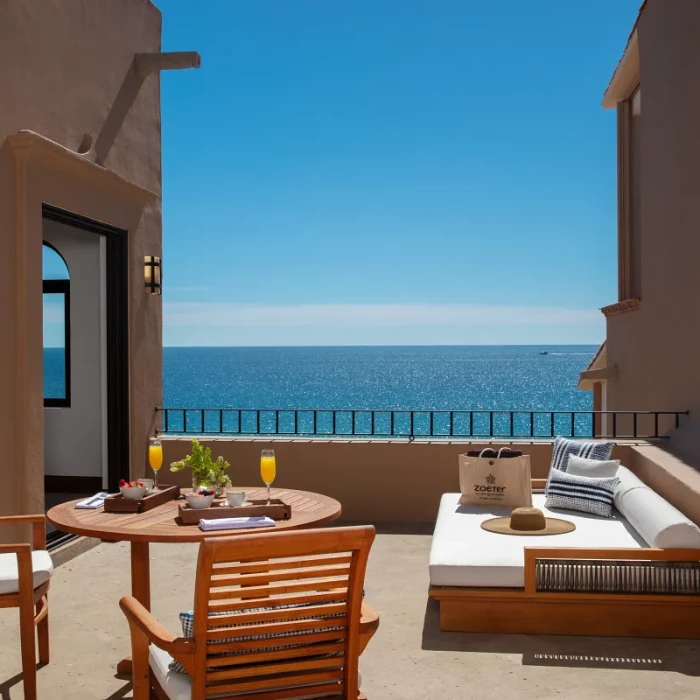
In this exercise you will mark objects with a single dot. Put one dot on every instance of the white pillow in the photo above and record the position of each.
(653, 517)
(592, 468)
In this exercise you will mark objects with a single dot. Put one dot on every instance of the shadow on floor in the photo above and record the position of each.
(675, 655)
(7, 685)
(121, 692)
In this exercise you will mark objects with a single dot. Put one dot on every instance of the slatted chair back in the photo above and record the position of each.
(277, 616)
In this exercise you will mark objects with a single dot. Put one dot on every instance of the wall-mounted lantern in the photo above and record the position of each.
(152, 274)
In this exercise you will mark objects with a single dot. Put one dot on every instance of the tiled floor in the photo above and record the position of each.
(409, 658)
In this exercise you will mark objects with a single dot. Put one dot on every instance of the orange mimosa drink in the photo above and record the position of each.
(268, 469)
(155, 457)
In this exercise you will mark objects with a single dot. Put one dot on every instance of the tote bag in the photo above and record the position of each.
(496, 480)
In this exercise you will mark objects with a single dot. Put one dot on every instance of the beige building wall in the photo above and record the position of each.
(62, 64)
(376, 481)
(656, 346)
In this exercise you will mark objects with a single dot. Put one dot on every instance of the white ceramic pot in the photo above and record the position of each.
(198, 502)
(133, 492)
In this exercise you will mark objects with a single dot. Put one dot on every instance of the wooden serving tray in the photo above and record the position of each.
(116, 503)
(275, 509)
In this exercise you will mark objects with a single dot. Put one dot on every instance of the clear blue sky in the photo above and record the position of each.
(390, 171)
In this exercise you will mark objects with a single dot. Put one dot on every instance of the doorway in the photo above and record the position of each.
(86, 384)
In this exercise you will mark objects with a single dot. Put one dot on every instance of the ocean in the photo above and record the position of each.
(454, 377)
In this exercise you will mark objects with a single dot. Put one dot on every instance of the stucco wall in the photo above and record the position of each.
(375, 481)
(74, 436)
(657, 346)
(62, 63)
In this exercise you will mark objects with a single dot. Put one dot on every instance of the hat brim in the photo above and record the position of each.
(553, 526)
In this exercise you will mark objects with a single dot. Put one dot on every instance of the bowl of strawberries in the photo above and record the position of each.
(133, 490)
(200, 498)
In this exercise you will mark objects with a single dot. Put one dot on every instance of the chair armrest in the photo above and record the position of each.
(139, 617)
(38, 523)
(15, 548)
(369, 623)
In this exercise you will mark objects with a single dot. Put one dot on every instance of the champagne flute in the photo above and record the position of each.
(268, 469)
(155, 458)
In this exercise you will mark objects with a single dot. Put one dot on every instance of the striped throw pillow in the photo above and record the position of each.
(563, 448)
(582, 493)
(590, 449)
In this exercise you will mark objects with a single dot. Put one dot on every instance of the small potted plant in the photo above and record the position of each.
(206, 471)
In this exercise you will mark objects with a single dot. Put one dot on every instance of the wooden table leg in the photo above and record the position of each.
(140, 588)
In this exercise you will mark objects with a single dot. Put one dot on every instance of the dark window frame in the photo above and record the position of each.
(61, 287)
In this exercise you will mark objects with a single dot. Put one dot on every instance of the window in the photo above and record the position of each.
(629, 168)
(56, 329)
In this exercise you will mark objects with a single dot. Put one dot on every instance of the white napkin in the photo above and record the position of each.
(236, 523)
(96, 501)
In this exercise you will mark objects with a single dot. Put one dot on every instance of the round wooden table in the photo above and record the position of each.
(160, 525)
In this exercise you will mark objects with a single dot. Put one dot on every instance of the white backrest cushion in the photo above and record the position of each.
(652, 516)
(592, 468)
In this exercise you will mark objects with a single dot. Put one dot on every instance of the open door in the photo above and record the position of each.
(86, 388)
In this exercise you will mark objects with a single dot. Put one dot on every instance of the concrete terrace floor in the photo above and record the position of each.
(408, 659)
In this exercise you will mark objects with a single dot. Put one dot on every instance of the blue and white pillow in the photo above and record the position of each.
(563, 448)
(582, 493)
(589, 449)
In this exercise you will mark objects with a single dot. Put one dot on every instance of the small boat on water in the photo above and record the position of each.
(544, 352)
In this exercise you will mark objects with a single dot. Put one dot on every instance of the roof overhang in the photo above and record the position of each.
(597, 370)
(626, 76)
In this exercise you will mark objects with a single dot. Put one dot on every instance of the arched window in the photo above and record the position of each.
(56, 328)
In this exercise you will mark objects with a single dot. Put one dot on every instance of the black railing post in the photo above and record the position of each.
(634, 425)
(614, 424)
(511, 423)
(410, 427)
(573, 424)
(490, 423)
(551, 424)
(656, 424)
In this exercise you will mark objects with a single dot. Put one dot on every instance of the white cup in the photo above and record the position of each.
(235, 498)
(148, 483)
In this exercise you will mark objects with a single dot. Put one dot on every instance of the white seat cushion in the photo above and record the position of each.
(42, 567)
(657, 521)
(177, 686)
(463, 554)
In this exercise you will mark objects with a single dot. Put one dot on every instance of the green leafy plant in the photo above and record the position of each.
(206, 471)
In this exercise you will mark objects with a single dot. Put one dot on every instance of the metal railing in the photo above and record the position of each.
(416, 423)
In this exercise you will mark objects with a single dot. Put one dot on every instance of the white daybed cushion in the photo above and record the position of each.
(655, 519)
(177, 686)
(463, 554)
(42, 566)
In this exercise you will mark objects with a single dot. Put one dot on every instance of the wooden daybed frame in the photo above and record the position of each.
(532, 610)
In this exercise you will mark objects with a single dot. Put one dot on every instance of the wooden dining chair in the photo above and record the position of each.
(277, 616)
(25, 575)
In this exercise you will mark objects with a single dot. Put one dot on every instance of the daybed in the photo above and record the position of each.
(635, 574)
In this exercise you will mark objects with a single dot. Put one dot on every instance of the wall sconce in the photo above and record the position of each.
(152, 274)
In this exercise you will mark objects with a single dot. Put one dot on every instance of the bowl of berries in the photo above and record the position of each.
(133, 490)
(201, 498)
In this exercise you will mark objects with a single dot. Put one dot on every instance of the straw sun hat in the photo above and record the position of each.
(528, 521)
